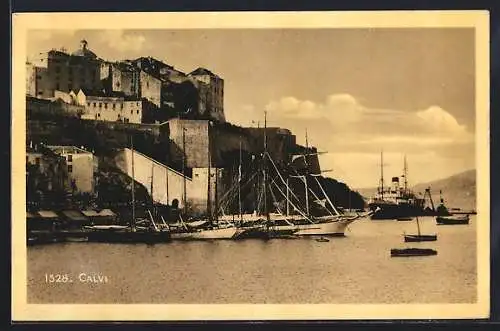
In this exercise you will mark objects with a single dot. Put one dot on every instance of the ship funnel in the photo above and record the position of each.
(395, 183)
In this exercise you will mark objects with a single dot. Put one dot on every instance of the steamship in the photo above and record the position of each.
(395, 201)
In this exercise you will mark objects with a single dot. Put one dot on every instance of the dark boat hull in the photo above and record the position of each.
(263, 233)
(420, 238)
(407, 252)
(403, 211)
(451, 221)
(394, 211)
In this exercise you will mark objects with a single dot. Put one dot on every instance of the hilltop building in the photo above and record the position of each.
(59, 70)
(197, 95)
(120, 77)
(113, 107)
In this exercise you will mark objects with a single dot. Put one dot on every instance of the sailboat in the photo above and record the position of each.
(419, 237)
(209, 228)
(302, 223)
(131, 233)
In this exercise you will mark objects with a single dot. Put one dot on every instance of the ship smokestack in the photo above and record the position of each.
(395, 183)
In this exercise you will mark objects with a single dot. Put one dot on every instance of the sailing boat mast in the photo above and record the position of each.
(151, 188)
(239, 186)
(264, 166)
(405, 174)
(184, 169)
(287, 198)
(209, 175)
(216, 193)
(132, 223)
(305, 178)
(382, 174)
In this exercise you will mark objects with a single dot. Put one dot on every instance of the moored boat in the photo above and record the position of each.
(420, 237)
(206, 233)
(452, 220)
(407, 252)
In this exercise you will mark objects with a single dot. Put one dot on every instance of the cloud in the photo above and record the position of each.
(45, 35)
(123, 42)
(350, 119)
(354, 134)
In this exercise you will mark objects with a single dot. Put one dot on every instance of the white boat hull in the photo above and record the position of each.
(223, 233)
(332, 228)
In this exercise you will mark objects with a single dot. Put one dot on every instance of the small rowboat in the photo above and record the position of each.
(452, 220)
(420, 237)
(407, 252)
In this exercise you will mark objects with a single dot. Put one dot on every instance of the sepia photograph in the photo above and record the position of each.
(250, 166)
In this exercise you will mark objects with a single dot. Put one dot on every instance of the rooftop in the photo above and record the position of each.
(84, 51)
(103, 94)
(202, 71)
(67, 150)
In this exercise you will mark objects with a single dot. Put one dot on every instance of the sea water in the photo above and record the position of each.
(356, 268)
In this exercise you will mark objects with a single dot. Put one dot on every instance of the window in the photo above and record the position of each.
(70, 158)
(137, 111)
(118, 84)
(147, 84)
(131, 112)
(100, 105)
(105, 105)
(38, 77)
(70, 168)
(94, 104)
(137, 104)
(88, 104)
(99, 115)
(114, 106)
(121, 106)
(37, 161)
(40, 92)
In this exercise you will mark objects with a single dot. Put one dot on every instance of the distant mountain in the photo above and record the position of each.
(459, 191)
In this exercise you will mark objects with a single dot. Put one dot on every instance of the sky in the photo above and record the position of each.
(357, 92)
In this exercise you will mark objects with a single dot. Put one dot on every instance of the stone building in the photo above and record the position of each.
(59, 70)
(211, 93)
(81, 166)
(109, 106)
(121, 77)
(60, 105)
(48, 170)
